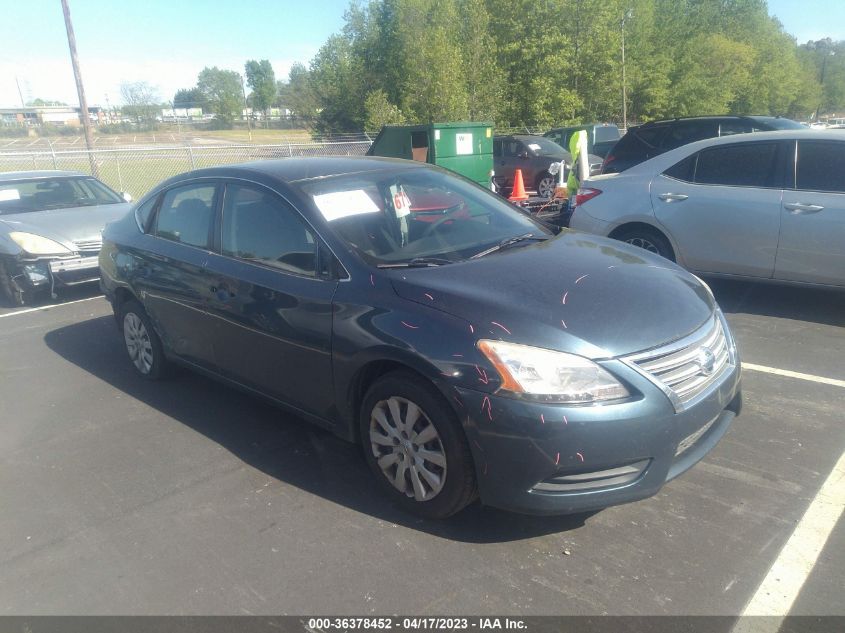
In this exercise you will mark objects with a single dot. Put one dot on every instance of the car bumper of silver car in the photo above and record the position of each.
(38, 273)
(555, 459)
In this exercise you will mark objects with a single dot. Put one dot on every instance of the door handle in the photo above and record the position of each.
(799, 208)
(673, 197)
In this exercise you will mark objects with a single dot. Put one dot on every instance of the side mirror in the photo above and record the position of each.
(126, 196)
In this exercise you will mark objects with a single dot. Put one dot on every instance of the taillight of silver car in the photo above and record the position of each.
(584, 194)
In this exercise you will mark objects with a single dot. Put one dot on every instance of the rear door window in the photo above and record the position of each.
(186, 215)
(684, 132)
(739, 165)
(821, 166)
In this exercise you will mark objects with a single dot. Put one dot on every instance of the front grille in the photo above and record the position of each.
(88, 247)
(687, 367)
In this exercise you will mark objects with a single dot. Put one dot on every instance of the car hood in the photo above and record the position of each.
(65, 226)
(577, 293)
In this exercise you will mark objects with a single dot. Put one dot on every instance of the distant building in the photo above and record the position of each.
(51, 115)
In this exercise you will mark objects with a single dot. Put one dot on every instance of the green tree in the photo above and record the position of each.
(190, 98)
(379, 112)
(262, 80)
(223, 91)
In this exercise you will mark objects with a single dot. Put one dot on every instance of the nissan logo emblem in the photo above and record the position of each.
(706, 360)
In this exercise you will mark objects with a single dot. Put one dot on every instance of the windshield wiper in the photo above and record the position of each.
(420, 262)
(507, 243)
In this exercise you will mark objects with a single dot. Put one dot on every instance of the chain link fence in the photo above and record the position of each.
(137, 170)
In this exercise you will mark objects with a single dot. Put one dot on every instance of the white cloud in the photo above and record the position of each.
(52, 78)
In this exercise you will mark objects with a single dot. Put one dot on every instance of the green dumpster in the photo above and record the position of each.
(465, 148)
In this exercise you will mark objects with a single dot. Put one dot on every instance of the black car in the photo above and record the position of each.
(471, 351)
(655, 137)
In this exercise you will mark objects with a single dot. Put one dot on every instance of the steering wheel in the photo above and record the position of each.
(447, 215)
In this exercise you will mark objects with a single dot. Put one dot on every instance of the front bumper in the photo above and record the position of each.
(53, 272)
(555, 459)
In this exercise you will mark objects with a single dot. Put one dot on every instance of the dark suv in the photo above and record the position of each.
(651, 139)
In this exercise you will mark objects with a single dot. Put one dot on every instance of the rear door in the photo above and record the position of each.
(271, 301)
(812, 242)
(722, 207)
(171, 277)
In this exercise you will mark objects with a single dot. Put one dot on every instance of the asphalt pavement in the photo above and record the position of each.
(123, 496)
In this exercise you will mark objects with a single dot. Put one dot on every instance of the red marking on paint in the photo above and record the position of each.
(565, 421)
(542, 419)
(413, 327)
(501, 326)
(482, 373)
(581, 277)
(486, 402)
(372, 281)
(563, 323)
(471, 329)
(557, 459)
(429, 296)
(580, 456)
(563, 301)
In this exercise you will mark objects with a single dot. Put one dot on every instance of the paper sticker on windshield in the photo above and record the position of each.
(9, 194)
(534, 146)
(463, 144)
(342, 204)
(402, 204)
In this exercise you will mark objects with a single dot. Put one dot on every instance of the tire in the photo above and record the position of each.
(142, 343)
(650, 240)
(441, 479)
(546, 184)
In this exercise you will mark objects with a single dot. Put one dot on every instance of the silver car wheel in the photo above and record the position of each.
(644, 243)
(138, 342)
(408, 448)
(546, 187)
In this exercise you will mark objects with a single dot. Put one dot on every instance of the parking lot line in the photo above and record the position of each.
(794, 374)
(778, 591)
(52, 305)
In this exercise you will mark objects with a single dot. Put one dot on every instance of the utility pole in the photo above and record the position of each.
(246, 109)
(83, 104)
(20, 94)
(626, 16)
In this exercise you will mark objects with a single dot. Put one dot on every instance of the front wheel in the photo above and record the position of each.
(142, 343)
(415, 446)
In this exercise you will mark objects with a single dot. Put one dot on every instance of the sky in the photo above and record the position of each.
(167, 42)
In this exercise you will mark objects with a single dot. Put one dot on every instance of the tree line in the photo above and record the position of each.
(538, 64)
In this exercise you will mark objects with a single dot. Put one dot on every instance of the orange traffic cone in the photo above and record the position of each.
(518, 192)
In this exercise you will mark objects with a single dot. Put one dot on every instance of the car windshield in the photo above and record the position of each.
(542, 146)
(408, 216)
(41, 194)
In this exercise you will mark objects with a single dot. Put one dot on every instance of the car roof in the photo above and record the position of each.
(290, 170)
(713, 117)
(38, 173)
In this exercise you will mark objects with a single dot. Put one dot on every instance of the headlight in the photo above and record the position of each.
(547, 376)
(37, 245)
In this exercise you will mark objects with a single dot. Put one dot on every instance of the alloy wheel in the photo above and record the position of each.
(546, 187)
(643, 243)
(138, 342)
(408, 448)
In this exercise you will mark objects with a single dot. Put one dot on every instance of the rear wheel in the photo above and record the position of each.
(415, 446)
(142, 343)
(647, 239)
(546, 184)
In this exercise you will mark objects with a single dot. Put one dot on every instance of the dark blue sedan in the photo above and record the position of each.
(470, 350)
